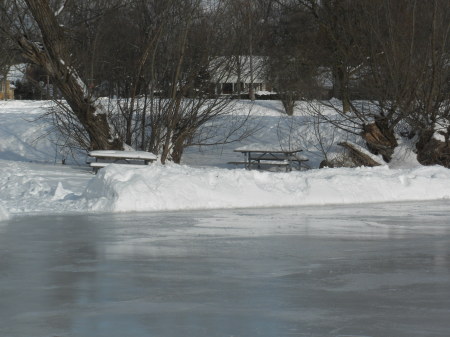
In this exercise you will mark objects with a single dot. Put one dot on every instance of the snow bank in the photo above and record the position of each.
(27, 188)
(120, 189)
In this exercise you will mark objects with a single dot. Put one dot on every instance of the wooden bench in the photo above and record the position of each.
(105, 157)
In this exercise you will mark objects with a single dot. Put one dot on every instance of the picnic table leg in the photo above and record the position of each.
(247, 159)
(289, 166)
(95, 169)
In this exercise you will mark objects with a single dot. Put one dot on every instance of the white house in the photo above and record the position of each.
(235, 74)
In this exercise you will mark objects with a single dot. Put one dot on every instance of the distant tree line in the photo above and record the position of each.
(386, 62)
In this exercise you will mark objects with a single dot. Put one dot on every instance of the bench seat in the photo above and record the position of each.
(279, 158)
(97, 166)
(253, 163)
(100, 165)
(268, 157)
(271, 163)
(298, 158)
(110, 154)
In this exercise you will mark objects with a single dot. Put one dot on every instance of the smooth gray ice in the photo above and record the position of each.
(363, 270)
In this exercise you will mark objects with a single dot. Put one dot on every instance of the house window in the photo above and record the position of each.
(227, 88)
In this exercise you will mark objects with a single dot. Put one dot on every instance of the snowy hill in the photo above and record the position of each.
(32, 179)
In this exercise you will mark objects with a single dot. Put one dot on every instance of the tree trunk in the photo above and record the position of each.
(288, 104)
(177, 151)
(341, 87)
(5, 87)
(239, 77)
(54, 58)
(431, 151)
(251, 90)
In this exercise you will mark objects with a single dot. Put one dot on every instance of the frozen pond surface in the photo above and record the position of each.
(367, 270)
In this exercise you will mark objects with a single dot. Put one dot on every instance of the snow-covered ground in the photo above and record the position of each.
(33, 181)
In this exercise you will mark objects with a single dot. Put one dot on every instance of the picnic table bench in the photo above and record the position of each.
(106, 157)
(257, 156)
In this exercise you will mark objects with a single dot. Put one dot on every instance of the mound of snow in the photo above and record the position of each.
(404, 156)
(27, 188)
(4, 215)
(172, 187)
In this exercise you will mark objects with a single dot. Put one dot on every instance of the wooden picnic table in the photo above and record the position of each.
(259, 155)
(106, 157)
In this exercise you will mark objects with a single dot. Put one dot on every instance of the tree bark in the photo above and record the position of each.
(288, 103)
(341, 87)
(5, 86)
(380, 139)
(431, 151)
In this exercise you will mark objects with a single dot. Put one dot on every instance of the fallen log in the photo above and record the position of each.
(361, 156)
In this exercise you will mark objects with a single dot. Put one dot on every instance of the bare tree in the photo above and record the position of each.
(8, 57)
(43, 40)
(293, 60)
(395, 54)
(152, 58)
(409, 75)
(182, 72)
(160, 80)
(246, 26)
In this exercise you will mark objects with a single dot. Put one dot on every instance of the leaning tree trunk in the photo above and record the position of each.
(54, 58)
(380, 139)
